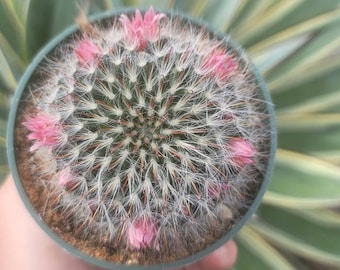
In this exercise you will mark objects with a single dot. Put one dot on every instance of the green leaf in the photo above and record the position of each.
(302, 181)
(299, 236)
(106, 4)
(302, 28)
(308, 164)
(247, 259)
(323, 217)
(327, 140)
(42, 27)
(39, 27)
(130, 2)
(314, 51)
(332, 156)
(196, 8)
(156, 4)
(12, 20)
(293, 201)
(320, 103)
(275, 54)
(7, 77)
(220, 14)
(318, 86)
(3, 158)
(311, 72)
(307, 121)
(4, 106)
(264, 19)
(248, 15)
(271, 257)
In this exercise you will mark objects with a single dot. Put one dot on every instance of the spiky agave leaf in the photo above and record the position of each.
(295, 45)
(306, 181)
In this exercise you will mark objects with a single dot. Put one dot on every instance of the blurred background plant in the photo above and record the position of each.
(296, 46)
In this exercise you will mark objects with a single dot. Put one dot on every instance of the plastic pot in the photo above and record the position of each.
(16, 138)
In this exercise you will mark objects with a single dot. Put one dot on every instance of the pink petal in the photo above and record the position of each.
(151, 24)
(66, 178)
(217, 190)
(141, 233)
(149, 16)
(219, 65)
(242, 152)
(87, 52)
(141, 30)
(41, 121)
(45, 130)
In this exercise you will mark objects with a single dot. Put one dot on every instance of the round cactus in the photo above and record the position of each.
(148, 136)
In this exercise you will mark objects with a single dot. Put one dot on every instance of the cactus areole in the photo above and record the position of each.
(141, 140)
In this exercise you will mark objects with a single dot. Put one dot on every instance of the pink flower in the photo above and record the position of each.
(219, 64)
(139, 31)
(87, 52)
(215, 191)
(141, 233)
(66, 178)
(242, 152)
(45, 130)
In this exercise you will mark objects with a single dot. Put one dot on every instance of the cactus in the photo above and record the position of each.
(150, 133)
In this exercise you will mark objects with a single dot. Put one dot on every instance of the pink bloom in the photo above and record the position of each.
(219, 64)
(141, 233)
(66, 178)
(87, 52)
(139, 31)
(44, 129)
(242, 152)
(215, 191)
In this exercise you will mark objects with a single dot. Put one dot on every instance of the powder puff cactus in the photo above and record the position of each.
(149, 138)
